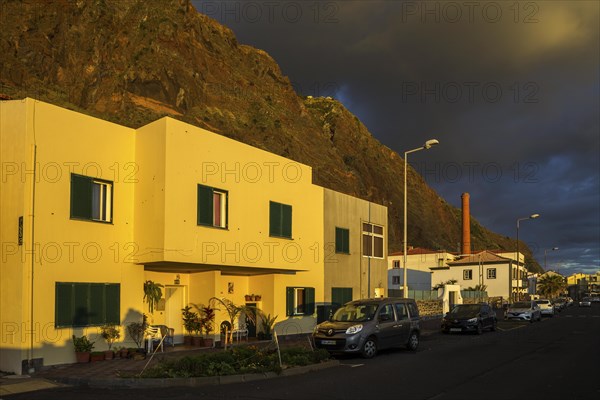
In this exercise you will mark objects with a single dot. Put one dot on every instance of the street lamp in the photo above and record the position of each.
(532, 216)
(428, 144)
(545, 254)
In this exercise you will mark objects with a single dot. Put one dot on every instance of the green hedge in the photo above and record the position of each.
(239, 360)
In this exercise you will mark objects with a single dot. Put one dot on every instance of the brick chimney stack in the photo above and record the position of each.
(466, 225)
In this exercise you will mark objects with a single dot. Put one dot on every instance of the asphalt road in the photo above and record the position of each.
(558, 358)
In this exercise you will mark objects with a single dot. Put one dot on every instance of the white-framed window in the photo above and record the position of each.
(395, 280)
(373, 240)
(468, 274)
(101, 200)
(212, 207)
(91, 198)
(396, 264)
(491, 273)
(300, 301)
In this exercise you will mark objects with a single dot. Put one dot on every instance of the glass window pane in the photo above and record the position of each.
(378, 246)
(378, 229)
(367, 245)
(367, 227)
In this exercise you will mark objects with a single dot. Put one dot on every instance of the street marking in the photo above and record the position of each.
(353, 365)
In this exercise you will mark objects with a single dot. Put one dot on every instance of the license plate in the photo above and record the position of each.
(455, 330)
(328, 342)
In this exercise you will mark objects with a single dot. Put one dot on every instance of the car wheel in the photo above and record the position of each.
(479, 330)
(413, 342)
(494, 326)
(369, 348)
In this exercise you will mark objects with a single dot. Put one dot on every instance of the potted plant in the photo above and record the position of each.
(136, 333)
(152, 294)
(96, 356)
(110, 333)
(267, 324)
(83, 348)
(190, 324)
(208, 321)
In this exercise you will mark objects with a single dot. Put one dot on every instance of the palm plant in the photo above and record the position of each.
(152, 294)
(551, 285)
(233, 312)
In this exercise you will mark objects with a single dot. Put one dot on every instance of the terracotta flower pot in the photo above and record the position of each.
(109, 355)
(83, 357)
(124, 353)
(197, 341)
(96, 357)
(208, 342)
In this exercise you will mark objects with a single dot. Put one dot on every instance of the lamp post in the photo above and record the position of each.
(546, 253)
(532, 216)
(426, 146)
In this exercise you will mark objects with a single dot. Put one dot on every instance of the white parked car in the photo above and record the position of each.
(546, 307)
(585, 302)
(524, 311)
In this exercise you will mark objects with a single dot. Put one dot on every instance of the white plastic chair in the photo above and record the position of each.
(241, 331)
(154, 333)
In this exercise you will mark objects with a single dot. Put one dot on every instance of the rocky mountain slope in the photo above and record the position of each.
(133, 61)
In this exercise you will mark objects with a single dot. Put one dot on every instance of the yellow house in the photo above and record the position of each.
(107, 208)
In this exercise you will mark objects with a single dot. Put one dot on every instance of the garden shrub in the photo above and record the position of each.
(239, 360)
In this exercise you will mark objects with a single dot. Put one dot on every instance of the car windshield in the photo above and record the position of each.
(521, 304)
(542, 301)
(465, 310)
(586, 299)
(355, 313)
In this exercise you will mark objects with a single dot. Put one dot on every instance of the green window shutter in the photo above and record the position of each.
(63, 304)
(342, 240)
(96, 304)
(280, 220)
(341, 296)
(289, 301)
(80, 304)
(309, 301)
(81, 197)
(286, 221)
(274, 219)
(205, 205)
(113, 303)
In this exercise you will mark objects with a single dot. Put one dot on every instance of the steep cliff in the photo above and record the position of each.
(134, 61)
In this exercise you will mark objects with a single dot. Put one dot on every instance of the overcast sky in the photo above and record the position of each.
(510, 89)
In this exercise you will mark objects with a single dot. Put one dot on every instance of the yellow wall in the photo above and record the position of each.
(73, 250)
(351, 270)
(16, 158)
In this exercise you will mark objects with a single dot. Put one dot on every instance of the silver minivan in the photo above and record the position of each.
(365, 326)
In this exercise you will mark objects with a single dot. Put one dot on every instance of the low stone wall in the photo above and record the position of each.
(430, 307)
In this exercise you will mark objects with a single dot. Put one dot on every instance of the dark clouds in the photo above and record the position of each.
(510, 89)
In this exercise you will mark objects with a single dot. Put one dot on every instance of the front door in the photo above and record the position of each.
(174, 302)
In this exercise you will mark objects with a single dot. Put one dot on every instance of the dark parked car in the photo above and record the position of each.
(365, 326)
(469, 318)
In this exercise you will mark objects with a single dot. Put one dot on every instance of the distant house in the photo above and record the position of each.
(486, 268)
(419, 264)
